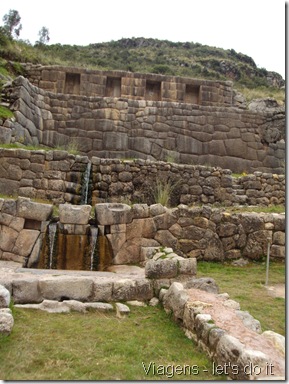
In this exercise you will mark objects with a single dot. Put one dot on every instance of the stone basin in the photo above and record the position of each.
(112, 213)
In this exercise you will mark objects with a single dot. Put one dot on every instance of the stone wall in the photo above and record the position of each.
(56, 176)
(62, 177)
(110, 127)
(22, 227)
(137, 86)
(136, 181)
(205, 233)
(135, 233)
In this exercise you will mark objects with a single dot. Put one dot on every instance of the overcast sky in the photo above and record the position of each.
(253, 27)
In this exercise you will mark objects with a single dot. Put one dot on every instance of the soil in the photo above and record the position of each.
(277, 290)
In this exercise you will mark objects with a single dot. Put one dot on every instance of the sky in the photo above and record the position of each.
(253, 27)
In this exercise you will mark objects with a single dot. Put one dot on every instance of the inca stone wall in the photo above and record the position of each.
(134, 232)
(118, 127)
(62, 177)
(137, 86)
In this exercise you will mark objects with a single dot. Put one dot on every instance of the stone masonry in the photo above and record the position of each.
(61, 177)
(134, 233)
(193, 131)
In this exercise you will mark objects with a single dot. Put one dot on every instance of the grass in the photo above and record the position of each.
(258, 209)
(5, 113)
(71, 147)
(247, 286)
(97, 346)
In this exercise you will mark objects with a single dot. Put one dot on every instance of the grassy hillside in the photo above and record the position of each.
(149, 56)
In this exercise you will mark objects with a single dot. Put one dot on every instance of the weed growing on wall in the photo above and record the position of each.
(162, 192)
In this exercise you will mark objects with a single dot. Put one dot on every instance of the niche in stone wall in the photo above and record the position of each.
(113, 87)
(153, 90)
(192, 94)
(72, 83)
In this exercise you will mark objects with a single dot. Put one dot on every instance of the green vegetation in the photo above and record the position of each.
(257, 209)
(163, 191)
(247, 286)
(97, 346)
(71, 147)
(164, 57)
(5, 113)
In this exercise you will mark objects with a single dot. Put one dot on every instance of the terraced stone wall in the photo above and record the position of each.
(61, 177)
(117, 127)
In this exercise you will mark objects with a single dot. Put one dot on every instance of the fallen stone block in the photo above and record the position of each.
(154, 302)
(122, 310)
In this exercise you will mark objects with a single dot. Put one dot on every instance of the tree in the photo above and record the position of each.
(12, 23)
(43, 35)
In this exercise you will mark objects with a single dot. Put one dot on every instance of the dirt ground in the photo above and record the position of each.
(277, 290)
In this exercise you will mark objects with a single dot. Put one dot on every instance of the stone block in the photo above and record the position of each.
(126, 290)
(6, 323)
(279, 238)
(4, 297)
(26, 290)
(74, 214)
(59, 288)
(278, 251)
(122, 310)
(8, 238)
(25, 242)
(175, 299)
(102, 291)
(187, 266)
(277, 339)
(163, 268)
(112, 213)
(32, 210)
(102, 307)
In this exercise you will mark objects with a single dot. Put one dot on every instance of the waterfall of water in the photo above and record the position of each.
(52, 231)
(85, 189)
(93, 242)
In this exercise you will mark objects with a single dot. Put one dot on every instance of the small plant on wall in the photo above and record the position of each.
(163, 191)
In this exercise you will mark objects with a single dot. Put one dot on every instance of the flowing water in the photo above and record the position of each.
(86, 181)
(51, 233)
(93, 243)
